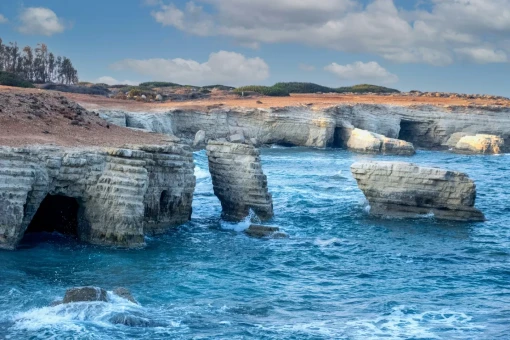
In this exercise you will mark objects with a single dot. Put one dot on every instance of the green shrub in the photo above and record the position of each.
(272, 91)
(159, 84)
(365, 88)
(294, 87)
(10, 79)
(219, 87)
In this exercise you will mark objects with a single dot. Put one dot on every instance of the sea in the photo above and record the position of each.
(340, 274)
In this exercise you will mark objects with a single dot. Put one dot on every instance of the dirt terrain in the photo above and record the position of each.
(29, 116)
(317, 101)
(34, 116)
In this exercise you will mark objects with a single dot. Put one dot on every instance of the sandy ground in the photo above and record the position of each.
(316, 101)
(30, 117)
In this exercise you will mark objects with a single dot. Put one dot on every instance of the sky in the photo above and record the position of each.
(428, 45)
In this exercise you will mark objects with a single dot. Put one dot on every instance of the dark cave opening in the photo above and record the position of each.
(164, 203)
(338, 138)
(409, 131)
(56, 213)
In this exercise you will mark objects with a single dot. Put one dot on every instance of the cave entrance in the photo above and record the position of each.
(339, 137)
(56, 213)
(164, 203)
(409, 131)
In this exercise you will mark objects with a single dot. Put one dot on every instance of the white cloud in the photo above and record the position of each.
(362, 72)
(40, 21)
(3, 19)
(112, 81)
(306, 67)
(223, 67)
(418, 36)
(483, 55)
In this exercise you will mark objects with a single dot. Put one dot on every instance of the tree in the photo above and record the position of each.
(38, 65)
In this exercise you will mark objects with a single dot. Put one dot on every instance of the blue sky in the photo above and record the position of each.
(435, 45)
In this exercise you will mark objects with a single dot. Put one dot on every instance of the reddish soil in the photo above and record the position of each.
(29, 116)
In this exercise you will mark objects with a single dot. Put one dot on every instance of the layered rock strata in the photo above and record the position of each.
(369, 142)
(426, 126)
(119, 195)
(482, 144)
(238, 180)
(399, 189)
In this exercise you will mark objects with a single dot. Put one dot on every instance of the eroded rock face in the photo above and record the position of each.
(484, 144)
(85, 294)
(238, 180)
(369, 142)
(406, 190)
(120, 194)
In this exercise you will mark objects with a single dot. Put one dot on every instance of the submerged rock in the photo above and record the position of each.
(484, 144)
(261, 231)
(369, 142)
(125, 294)
(400, 189)
(238, 180)
(85, 294)
(132, 320)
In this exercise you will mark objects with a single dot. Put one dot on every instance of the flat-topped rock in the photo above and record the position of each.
(398, 189)
(105, 196)
(85, 294)
(480, 144)
(238, 180)
(369, 142)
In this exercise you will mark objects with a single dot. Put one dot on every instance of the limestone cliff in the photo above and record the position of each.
(426, 126)
(238, 180)
(407, 190)
(369, 142)
(485, 144)
(120, 194)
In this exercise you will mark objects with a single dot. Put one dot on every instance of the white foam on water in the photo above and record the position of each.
(327, 243)
(201, 173)
(74, 316)
(403, 323)
(239, 226)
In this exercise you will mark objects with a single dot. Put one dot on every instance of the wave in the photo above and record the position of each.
(201, 173)
(239, 226)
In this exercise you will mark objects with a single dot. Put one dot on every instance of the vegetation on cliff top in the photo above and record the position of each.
(10, 79)
(285, 89)
(36, 65)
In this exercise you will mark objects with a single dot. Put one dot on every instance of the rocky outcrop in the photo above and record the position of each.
(261, 231)
(425, 126)
(406, 190)
(481, 144)
(199, 139)
(113, 196)
(369, 142)
(85, 294)
(238, 180)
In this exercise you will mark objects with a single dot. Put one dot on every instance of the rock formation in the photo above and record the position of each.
(426, 126)
(261, 231)
(238, 180)
(85, 294)
(369, 142)
(104, 196)
(406, 190)
(484, 144)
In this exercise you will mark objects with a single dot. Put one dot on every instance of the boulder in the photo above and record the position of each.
(369, 142)
(85, 294)
(159, 97)
(455, 138)
(261, 231)
(238, 180)
(398, 189)
(237, 138)
(129, 320)
(125, 294)
(199, 138)
(484, 144)
(254, 142)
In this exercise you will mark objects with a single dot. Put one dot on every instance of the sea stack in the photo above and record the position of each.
(238, 180)
(398, 189)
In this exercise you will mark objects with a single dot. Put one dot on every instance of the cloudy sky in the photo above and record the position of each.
(443, 45)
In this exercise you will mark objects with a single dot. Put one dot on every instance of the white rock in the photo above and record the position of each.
(159, 97)
(199, 138)
(485, 144)
(400, 189)
(238, 180)
(369, 142)
(237, 138)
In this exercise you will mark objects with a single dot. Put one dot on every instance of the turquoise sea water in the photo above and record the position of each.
(340, 275)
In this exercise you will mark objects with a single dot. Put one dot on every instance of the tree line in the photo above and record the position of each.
(36, 65)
